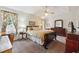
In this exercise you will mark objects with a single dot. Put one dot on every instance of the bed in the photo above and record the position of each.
(42, 37)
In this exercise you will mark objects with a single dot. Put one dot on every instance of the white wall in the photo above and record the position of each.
(22, 21)
(37, 20)
(66, 13)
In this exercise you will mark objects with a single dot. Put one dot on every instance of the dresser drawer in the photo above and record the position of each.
(71, 45)
(72, 37)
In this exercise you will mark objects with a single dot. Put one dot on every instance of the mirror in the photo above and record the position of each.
(58, 23)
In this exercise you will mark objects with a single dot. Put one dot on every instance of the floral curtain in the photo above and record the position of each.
(9, 18)
(1, 22)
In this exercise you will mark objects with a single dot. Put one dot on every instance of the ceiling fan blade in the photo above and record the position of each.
(52, 12)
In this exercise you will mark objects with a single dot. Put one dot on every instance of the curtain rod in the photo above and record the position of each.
(8, 11)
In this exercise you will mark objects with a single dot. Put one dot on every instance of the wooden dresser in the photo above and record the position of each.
(11, 37)
(72, 42)
(60, 31)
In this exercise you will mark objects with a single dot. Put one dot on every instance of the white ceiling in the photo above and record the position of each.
(26, 9)
(32, 9)
(38, 9)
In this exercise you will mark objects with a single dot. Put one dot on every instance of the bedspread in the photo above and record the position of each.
(39, 34)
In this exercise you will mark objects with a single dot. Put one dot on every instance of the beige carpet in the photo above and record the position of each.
(28, 46)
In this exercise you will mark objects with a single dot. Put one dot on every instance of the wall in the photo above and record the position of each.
(66, 13)
(22, 22)
(37, 20)
(59, 13)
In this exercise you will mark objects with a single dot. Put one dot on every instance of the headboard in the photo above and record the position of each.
(32, 28)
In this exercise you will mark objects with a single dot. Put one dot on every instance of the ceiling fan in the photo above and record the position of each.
(46, 11)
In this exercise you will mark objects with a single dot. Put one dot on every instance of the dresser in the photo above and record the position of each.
(60, 31)
(72, 42)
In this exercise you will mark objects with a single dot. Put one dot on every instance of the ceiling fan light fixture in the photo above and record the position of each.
(46, 14)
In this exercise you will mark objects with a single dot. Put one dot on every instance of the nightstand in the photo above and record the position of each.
(24, 35)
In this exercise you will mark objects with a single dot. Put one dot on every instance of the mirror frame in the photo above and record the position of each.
(58, 23)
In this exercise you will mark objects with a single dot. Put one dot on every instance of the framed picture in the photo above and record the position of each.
(59, 23)
(31, 23)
